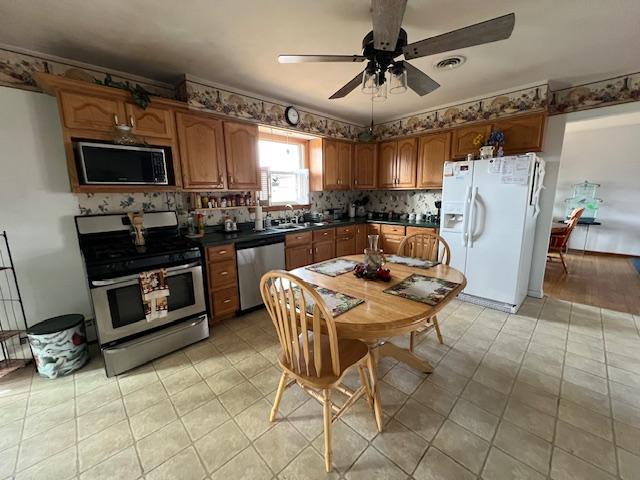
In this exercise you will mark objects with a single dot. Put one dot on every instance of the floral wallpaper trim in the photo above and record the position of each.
(218, 100)
(17, 69)
(495, 106)
(622, 89)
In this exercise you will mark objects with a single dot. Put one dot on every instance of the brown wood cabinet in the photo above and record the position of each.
(298, 256)
(365, 166)
(329, 164)
(81, 111)
(150, 122)
(222, 281)
(202, 152)
(387, 164)
(397, 161)
(463, 137)
(361, 238)
(241, 148)
(324, 251)
(345, 245)
(433, 151)
(522, 134)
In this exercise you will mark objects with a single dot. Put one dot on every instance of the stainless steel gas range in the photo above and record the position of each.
(113, 264)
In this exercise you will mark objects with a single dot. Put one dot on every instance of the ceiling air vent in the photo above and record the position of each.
(449, 63)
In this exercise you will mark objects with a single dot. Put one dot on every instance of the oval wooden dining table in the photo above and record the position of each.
(383, 315)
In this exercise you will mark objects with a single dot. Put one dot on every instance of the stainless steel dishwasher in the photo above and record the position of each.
(255, 258)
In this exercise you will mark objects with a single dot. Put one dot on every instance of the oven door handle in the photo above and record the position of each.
(113, 281)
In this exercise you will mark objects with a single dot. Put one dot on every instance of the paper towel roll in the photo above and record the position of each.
(259, 224)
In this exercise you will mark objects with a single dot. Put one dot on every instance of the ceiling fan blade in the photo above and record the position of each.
(499, 28)
(418, 81)
(387, 19)
(320, 58)
(348, 88)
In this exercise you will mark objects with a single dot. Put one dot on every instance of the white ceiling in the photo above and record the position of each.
(236, 42)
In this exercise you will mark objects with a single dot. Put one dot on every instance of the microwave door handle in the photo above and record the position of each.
(113, 281)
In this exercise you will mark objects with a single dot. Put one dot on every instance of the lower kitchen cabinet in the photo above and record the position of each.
(298, 256)
(324, 251)
(391, 243)
(361, 238)
(222, 281)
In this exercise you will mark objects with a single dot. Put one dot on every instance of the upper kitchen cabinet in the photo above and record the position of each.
(433, 151)
(201, 141)
(397, 161)
(387, 164)
(241, 147)
(150, 122)
(365, 166)
(329, 164)
(522, 134)
(463, 137)
(90, 112)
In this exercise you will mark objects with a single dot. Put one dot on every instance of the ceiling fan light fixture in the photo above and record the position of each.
(398, 80)
(381, 94)
(369, 82)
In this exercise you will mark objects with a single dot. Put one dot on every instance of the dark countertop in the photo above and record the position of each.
(216, 236)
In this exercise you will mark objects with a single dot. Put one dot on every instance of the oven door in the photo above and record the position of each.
(118, 302)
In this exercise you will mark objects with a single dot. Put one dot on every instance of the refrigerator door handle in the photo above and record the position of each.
(472, 210)
(465, 215)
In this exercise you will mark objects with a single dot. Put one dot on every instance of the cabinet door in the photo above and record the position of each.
(86, 112)
(345, 245)
(323, 251)
(387, 164)
(241, 147)
(522, 134)
(407, 163)
(150, 122)
(330, 165)
(365, 166)
(433, 151)
(463, 138)
(299, 256)
(361, 238)
(201, 152)
(344, 165)
(391, 243)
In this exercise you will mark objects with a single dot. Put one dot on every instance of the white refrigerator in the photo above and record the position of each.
(488, 216)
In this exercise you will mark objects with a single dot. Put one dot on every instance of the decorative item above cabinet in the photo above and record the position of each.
(329, 164)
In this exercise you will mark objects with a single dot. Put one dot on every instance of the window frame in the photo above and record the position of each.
(304, 144)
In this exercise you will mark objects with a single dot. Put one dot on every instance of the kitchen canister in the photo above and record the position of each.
(59, 345)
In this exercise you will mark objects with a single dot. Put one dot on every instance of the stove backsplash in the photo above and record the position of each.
(420, 201)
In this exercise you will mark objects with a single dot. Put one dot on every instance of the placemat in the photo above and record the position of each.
(336, 302)
(410, 262)
(421, 288)
(333, 268)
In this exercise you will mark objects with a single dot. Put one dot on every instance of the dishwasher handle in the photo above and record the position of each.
(263, 242)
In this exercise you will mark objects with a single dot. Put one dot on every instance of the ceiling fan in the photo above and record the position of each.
(388, 41)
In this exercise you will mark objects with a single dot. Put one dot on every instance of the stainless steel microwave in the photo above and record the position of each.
(109, 164)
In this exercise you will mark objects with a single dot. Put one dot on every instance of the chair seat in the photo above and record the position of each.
(350, 352)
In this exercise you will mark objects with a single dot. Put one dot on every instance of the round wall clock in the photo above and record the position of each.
(292, 116)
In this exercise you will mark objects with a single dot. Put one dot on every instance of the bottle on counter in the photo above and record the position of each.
(200, 222)
(197, 201)
(223, 202)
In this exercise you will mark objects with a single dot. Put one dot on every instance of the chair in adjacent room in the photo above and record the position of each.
(313, 356)
(426, 246)
(559, 239)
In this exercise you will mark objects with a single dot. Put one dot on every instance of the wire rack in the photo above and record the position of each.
(14, 350)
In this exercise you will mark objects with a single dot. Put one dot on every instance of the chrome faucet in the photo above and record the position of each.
(290, 217)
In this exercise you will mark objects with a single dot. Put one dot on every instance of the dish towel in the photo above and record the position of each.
(154, 291)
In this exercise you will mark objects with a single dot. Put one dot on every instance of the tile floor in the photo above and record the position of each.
(553, 392)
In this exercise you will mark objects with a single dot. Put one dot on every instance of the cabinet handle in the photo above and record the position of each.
(310, 251)
(298, 238)
(230, 178)
(228, 300)
(355, 182)
(316, 249)
(221, 179)
(222, 252)
(224, 273)
(132, 122)
(115, 119)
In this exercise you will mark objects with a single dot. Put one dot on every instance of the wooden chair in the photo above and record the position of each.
(559, 239)
(426, 246)
(312, 354)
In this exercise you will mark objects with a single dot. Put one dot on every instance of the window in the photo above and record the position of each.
(283, 176)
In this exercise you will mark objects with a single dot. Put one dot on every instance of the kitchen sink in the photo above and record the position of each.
(287, 226)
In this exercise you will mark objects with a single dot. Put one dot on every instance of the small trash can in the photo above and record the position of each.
(59, 345)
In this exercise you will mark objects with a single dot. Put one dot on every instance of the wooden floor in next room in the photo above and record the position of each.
(606, 281)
